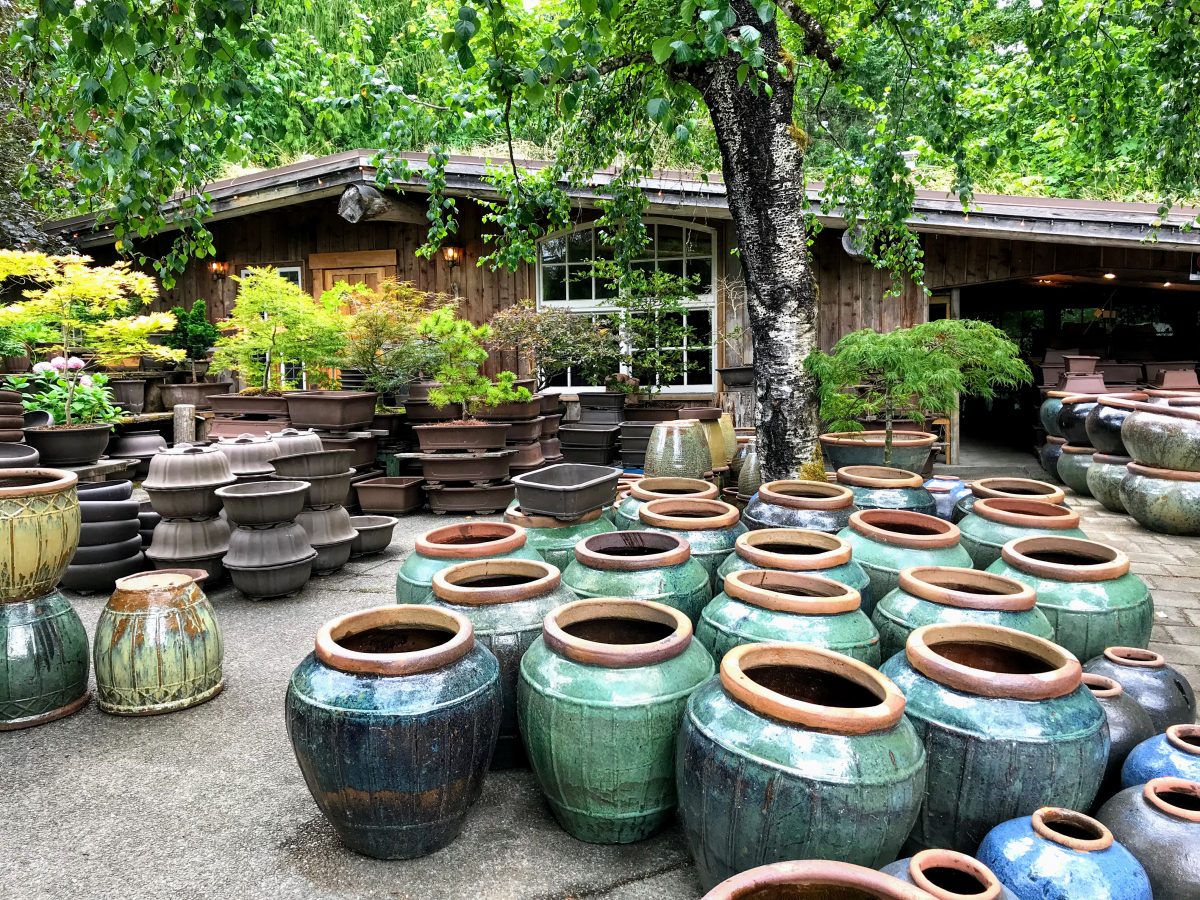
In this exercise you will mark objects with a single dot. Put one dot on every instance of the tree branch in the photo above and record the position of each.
(816, 41)
(607, 67)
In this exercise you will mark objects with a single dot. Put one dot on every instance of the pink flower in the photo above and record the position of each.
(75, 364)
(58, 363)
(42, 367)
(85, 380)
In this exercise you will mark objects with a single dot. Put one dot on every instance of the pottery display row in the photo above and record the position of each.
(269, 552)
(322, 518)
(555, 539)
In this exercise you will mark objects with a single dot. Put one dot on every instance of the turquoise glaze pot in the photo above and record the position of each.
(1011, 489)
(1165, 501)
(1060, 854)
(640, 565)
(910, 449)
(761, 605)
(1073, 467)
(795, 753)
(393, 720)
(38, 686)
(1085, 589)
(949, 875)
(947, 491)
(449, 545)
(799, 550)
(641, 492)
(885, 541)
(555, 539)
(992, 523)
(1008, 726)
(1104, 478)
(878, 487)
(1048, 412)
(608, 681)
(1159, 823)
(709, 526)
(1159, 689)
(794, 503)
(1175, 754)
(932, 595)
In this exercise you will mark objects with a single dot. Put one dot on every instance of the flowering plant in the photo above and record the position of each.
(61, 388)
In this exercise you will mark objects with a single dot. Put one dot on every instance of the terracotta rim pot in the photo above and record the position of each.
(797, 494)
(814, 550)
(491, 581)
(470, 540)
(154, 588)
(1137, 468)
(902, 528)
(666, 488)
(814, 873)
(1053, 439)
(878, 477)
(1175, 797)
(1064, 827)
(27, 482)
(1178, 404)
(339, 640)
(1185, 738)
(1026, 513)
(967, 588)
(792, 592)
(993, 661)
(1102, 687)
(1065, 559)
(818, 675)
(605, 613)
(1018, 488)
(1135, 657)
(923, 866)
(632, 551)
(906, 439)
(514, 516)
(689, 515)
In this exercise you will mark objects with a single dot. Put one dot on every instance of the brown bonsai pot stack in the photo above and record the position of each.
(182, 485)
(549, 440)
(255, 414)
(323, 516)
(269, 552)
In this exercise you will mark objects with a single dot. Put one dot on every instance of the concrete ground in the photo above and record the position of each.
(209, 802)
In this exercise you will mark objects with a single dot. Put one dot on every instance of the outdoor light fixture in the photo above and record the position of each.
(1166, 284)
(1109, 276)
(219, 270)
(452, 255)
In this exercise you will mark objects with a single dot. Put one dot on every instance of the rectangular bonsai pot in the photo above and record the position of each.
(568, 490)
(651, 413)
(461, 438)
(331, 410)
(593, 456)
(577, 436)
(364, 444)
(240, 405)
(601, 400)
(481, 500)
(633, 459)
(514, 411)
(394, 496)
(469, 468)
(592, 416)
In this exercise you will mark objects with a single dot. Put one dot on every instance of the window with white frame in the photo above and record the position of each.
(566, 280)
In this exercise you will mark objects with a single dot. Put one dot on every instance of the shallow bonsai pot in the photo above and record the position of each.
(277, 545)
(331, 557)
(313, 463)
(137, 444)
(523, 432)
(100, 577)
(461, 437)
(513, 411)
(97, 534)
(589, 436)
(185, 503)
(243, 404)
(393, 495)
(737, 376)
(263, 503)
(78, 445)
(374, 534)
(910, 449)
(567, 491)
(528, 457)
(194, 393)
(550, 425)
(481, 500)
(420, 411)
(332, 410)
(476, 468)
(363, 446)
(108, 510)
(651, 413)
(18, 456)
(108, 553)
(271, 582)
(328, 490)
(601, 400)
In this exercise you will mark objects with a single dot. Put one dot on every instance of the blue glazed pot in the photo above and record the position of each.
(878, 487)
(1048, 412)
(949, 875)
(449, 545)
(1059, 854)
(947, 490)
(393, 719)
(1008, 726)
(1048, 456)
(1175, 754)
(1159, 823)
(794, 503)
(1159, 689)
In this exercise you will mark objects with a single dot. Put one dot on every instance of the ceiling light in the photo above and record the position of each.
(1109, 276)
(1166, 284)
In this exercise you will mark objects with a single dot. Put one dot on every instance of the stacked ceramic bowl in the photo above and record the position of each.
(295, 440)
(182, 486)
(110, 546)
(18, 456)
(250, 457)
(269, 553)
(324, 516)
(148, 520)
(12, 417)
(138, 447)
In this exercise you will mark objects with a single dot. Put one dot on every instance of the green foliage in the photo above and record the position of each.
(193, 333)
(383, 340)
(457, 353)
(550, 341)
(70, 397)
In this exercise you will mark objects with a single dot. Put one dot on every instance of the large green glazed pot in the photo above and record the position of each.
(677, 449)
(600, 701)
(1085, 589)
(1104, 477)
(709, 526)
(1048, 412)
(910, 449)
(796, 753)
(1008, 488)
(760, 605)
(39, 530)
(44, 675)
(506, 601)
(640, 565)
(799, 550)
(1162, 435)
(1166, 501)
(795, 503)
(817, 879)
(993, 523)
(1073, 467)
(625, 513)
(877, 487)
(449, 545)
(932, 595)
(555, 539)
(1159, 823)
(158, 647)
(1008, 724)
(884, 541)
(393, 719)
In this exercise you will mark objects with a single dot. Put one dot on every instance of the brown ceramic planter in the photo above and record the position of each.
(1065, 559)
(334, 640)
(798, 494)
(419, 411)
(364, 446)
(550, 424)
(331, 410)
(249, 455)
(473, 468)
(263, 503)
(792, 592)
(180, 539)
(247, 405)
(193, 393)
(294, 440)
(686, 514)
(515, 411)
(326, 526)
(524, 432)
(814, 878)
(901, 528)
(326, 490)
(701, 413)
(601, 632)
(481, 500)
(470, 540)
(514, 516)
(259, 548)
(526, 456)
(314, 463)
(1027, 514)
(882, 477)
(488, 582)
(394, 496)
(551, 448)
(632, 551)
(461, 437)
(186, 503)
(967, 588)
(374, 534)
(75, 446)
(188, 466)
(273, 582)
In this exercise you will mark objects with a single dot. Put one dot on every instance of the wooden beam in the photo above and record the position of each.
(364, 203)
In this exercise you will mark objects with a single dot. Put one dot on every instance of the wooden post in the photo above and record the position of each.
(185, 423)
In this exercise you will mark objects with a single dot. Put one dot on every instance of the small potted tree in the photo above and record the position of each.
(906, 374)
(80, 404)
(549, 341)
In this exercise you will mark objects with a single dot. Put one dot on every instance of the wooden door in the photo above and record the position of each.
(369, 267)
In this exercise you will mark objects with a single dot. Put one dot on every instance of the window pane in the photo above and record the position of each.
(673, 364)
(605, 289)
(699, 367)
(602, 249)
(671, 266)
(701, 269)
(699, 243)
(700, 325)
(581, 282)
(579, 246)
(670, 241)
(647, 252)
(554, 284)
(554, 250)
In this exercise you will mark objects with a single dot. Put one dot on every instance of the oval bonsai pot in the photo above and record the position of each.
(69, 445)
(910, 449)
(331, 410)
(95, 534)
(313, 463)
(117, 551)
(263, 503)
(478, 436)
(374, 534)
(482, 500)
(737, 376)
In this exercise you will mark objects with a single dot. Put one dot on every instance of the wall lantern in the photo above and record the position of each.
(219, 270)
(453, 256)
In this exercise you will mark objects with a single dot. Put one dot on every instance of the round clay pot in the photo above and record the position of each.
(59, 445)
(273, 582)
(992, 523)
(877, 487)
(793, 503)
(261, 548)
(1175, 754)
(249, 455)
(947, 490)
(360, 710)
(1040, 719)
(105, 490)
(313, 462)
(625, 514)
(443, 547)
(609, 679)
(1085, 589)
(1072, 418)
(910, 449)
(677, 449)
(374, 534)
(108, 510)
(98, 534)
(640, 565)
(294, 440)
(555, 539)
(327, 490)
(100, 578)
(1104, 425)
(884, 541)
(185, 503)
(815, 743)
(814, 878)
(1049, 455)
(949, 875)
(110, 552)
(1158, 688)
(136, 444)
(177, 539)
(331, 556)
(1162, 500)
(760, 605)
(1073, 467)
(44, 675)
(1104, 477)
(709, 526)
(1087, 863)
(1048, 412)
(1159, 823)
(1161, 435)
(936, 595)
(39, 531)
(1128, 726)
(186, 467)
(263, 503)
(18, 456)
(1009, 488)
(330, 525)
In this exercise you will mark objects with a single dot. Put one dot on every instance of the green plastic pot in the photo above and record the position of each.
(992, 523)
(709, 526)
(449, 545)
(884, 541)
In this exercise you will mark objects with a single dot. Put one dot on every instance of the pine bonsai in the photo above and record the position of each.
(193, 333)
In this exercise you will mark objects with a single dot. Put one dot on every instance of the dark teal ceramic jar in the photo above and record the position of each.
(886, 540)
(1085, 589)
(1160, 689)
(1072, 418)
(1009, 489)
(878, 487)
(1159, 823)
(709, 526)
(363, 711)
(1048, 456)
(759, 605)
(640, 565)
(949, 875)
(1104, 425)
(45, 672)
(1104, 477)
(1008, 726)
(992, 523)
(642, 491)
(796, 753)
(794, 503)
(1165, 501)
(449, 545)
(555, 539)
(1128, 726)
(1073, 467)
(1048, 412)
(1175, 754)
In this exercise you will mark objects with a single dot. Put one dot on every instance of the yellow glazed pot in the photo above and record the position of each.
(39, 530)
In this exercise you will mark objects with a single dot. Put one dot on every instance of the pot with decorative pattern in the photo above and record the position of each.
(440, 548)
(992, 523)
(878, 487)
(39, 530)
(44, 669)
(884, 541)
(795, 503)
(1159, 689)
(677, 449)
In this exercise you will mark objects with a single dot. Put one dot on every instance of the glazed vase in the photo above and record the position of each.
(884, 541)
(1009, 488)
(1159, 823)
(1165, 501)
(1158, 688)
(1048, 412)
(816, 879)
(878, 487)
(794, 503)
(1104, 477)
(750, 477)
(440, 548)
(625, 512)
(992, 523)
(45, 665)
(910, 449)
(1174, 754)
(39, 530)
(949, 875)
(677, 450)
(1060, 854)
(1104, 425)
(608, 680)
(708, 419)
(947, 491)
(934, 595)
(555, 539)
(1085, 589)
(796, 753)
(640, 565)
(393, 719)
(158, 647)
(1048, 456)
(1073, 466)
(506, 601)
(1128, 726)
(761, 605)
(1008, 725)
(1072, 418)
(709, 526)
(1163, 435)
(725, 422)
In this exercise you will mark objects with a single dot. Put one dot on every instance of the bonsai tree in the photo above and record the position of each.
(549, 341)
(911, 371)
(193, 333)
(456, 348)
